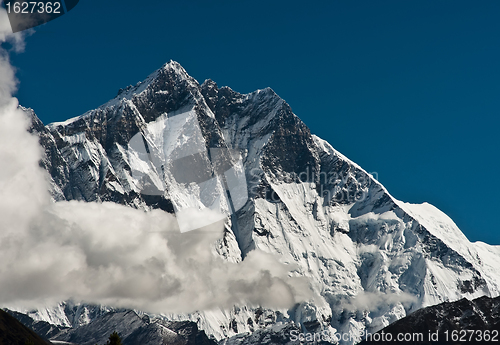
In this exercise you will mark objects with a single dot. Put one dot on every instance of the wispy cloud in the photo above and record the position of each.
(16, 40)
(378, 301)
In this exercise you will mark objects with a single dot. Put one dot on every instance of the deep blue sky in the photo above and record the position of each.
(408, 89)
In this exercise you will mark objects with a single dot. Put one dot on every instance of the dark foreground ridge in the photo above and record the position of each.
(132, 329)
(474, 322)
(13, 332)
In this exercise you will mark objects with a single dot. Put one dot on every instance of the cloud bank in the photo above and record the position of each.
(107, 253)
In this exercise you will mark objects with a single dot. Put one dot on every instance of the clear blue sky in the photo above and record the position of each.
(408, 89)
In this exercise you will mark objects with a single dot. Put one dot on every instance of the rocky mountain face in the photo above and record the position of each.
(43, 329)
(132, 329)
(476, 321)
(371, 258)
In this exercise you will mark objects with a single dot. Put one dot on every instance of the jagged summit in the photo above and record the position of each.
(172, 69)
(371, 258)
(161, 80)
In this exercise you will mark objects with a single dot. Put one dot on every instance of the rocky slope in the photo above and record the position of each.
(132, 329)
(13, 332)
(476, 321)
(371, 258)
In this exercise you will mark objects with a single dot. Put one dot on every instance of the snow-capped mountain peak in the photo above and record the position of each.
(370, 258)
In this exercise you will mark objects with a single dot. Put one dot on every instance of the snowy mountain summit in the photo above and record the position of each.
(370, 258)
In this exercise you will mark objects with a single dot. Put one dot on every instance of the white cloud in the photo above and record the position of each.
(376, 301)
